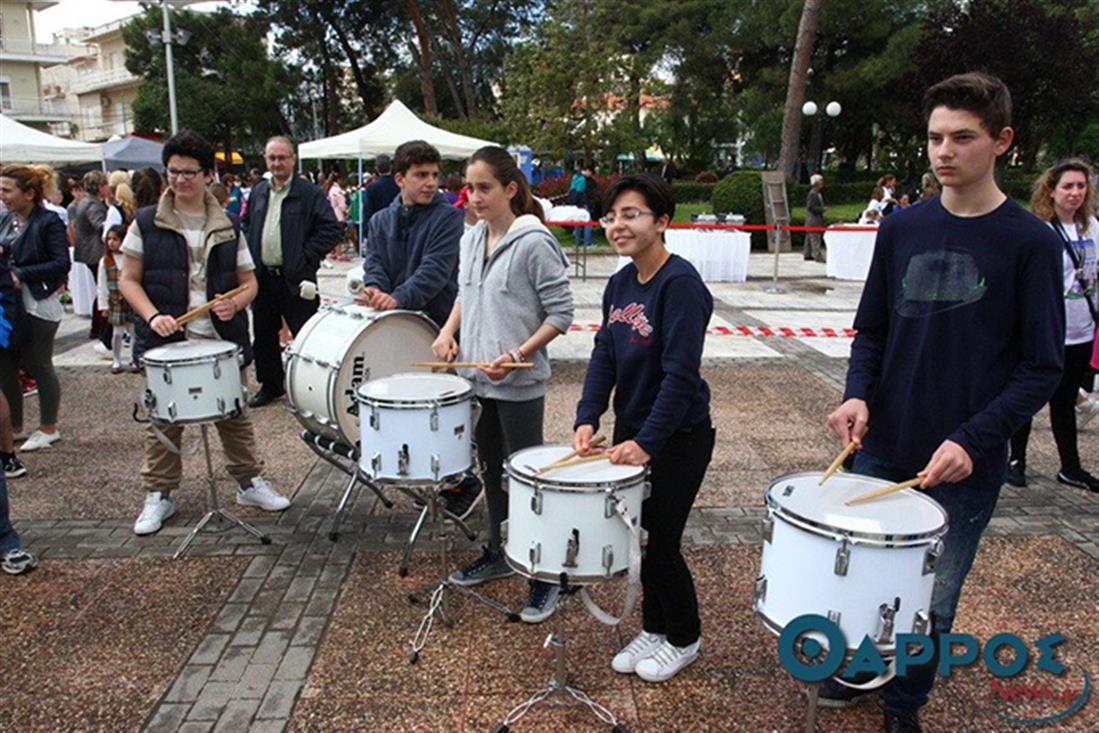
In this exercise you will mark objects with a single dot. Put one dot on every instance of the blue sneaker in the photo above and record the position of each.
(541, 602)
(489, 566)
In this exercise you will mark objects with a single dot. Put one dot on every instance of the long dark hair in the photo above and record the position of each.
(505, 170)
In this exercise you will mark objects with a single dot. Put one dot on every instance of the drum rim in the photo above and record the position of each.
(448, 400)
(555, 578)
(576, 487)
(832, 531)
(232, 352)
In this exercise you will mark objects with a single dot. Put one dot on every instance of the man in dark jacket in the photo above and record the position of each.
(814, 217)
(290, 228)
(381, 191)
(412, 244)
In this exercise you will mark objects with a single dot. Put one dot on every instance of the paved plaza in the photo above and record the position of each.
(306, 634)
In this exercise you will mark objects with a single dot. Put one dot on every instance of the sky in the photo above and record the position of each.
(77, 13)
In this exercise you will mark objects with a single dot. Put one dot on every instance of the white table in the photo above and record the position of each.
(718, 255)
(849, 254)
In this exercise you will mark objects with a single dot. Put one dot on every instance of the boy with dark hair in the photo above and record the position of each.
(179, 254)
(959, 343)
(415, 153)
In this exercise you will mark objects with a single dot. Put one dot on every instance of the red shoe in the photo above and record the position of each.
(30, 386)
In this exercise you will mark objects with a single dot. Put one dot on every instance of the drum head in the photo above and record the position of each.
(414, 388)
(909, 513)
(193, 350)
(597, 474)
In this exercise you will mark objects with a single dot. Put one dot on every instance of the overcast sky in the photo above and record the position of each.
(77, 13)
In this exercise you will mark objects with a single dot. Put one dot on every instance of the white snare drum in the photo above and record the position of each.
(193, 381)
(870, 568)
(342, 347)
(566, 520)
(416, 428)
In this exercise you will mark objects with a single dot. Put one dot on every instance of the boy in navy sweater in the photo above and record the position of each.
(960, 333)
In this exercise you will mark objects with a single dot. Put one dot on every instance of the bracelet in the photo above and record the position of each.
(150, 319)
(516, 355)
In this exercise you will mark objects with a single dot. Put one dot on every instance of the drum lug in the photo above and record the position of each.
(172, 410)
(322, 363)
(834, 616)
(167, 374)
(534, 553)
(434, 418)
(217, 370)
(931, 558)
(922, 622)
(572, 549)
(221, 406)
(886, 616)
(149, 401)
(767, 527)
(376, 463)
(647, 492)
(402, 460)
(843, 558)
(608, 560)
(609, 505)
(536, 501)
(374, 420)
(759, 591)
(355, 315)
(435, 466)
(504, 531)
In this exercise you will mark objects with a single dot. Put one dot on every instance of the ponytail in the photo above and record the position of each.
(506, 171)
(37, 179)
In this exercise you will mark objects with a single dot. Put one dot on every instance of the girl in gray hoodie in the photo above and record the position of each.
(513, 299)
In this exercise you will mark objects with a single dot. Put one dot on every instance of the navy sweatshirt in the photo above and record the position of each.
(960, 333)
(412, 254)
(649, 351)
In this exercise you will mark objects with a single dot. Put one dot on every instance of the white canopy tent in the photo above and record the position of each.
(22, 144)
(396, 125)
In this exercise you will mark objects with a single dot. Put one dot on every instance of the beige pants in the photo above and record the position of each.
(163, 468)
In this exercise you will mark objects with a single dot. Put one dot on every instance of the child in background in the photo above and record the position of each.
(111, 303)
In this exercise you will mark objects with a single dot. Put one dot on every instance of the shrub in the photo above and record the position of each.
(741, 192)
(692, 192)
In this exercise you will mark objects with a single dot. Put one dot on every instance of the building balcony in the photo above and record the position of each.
(98, 80)
(36, 109)
(22, 49)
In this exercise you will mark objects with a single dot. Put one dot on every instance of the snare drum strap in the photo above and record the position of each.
(633, 577)
(167, 443)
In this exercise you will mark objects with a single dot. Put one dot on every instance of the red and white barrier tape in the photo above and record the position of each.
(752, 331)
(730, 227)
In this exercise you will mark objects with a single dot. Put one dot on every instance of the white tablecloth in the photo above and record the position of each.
(567, 213)
(849, 254)
(718, 255)
(82, 287)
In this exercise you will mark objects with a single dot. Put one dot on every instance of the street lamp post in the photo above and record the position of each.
(832, 109)
(168, 38)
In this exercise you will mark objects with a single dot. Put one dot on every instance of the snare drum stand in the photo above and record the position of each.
(225, 519)
(558, 691)
(434, 594)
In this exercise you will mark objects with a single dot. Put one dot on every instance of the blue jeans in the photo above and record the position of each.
(9, 538)
(969, 508)
(582, 234)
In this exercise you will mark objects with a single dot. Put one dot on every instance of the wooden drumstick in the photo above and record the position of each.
(472, 364)
(884, 491)
(202, 309)
(604, 456)
(595, 443)
(847, 450)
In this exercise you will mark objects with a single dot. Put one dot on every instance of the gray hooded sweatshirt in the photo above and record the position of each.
(523, 284)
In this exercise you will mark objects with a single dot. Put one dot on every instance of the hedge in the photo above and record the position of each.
(692, 191)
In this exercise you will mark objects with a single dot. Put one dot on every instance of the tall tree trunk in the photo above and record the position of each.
(322, 15)
(423, 57)
(454, 37)
(795, 90)
(448, 77)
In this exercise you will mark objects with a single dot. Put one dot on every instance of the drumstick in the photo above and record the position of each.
(848, 450)
(604, 456)
(877, 493)
(595, 443)
(472, 364)
(202, 309)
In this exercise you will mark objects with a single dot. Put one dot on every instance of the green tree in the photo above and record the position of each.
(227, 89)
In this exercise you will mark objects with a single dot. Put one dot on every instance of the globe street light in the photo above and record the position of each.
(832, 109)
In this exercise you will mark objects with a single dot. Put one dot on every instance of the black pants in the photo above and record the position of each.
(276, 300)
(504, 428)
(1062, 411)
(670, 604)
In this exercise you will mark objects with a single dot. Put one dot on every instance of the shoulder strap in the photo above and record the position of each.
(1078, 265)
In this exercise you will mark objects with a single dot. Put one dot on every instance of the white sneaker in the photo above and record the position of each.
(39, 440)
(157, 510)
(665, 662)
(1086, 410)
(262, 495)
(103, 351)
(642, 647)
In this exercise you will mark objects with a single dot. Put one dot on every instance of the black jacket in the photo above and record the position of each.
(309, 228)
(40, 254)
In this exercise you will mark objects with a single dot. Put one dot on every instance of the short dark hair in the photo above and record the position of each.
(383, 164)
(282, 138)
(658, 195)
(982, 94)
(414, 152)
(190, 144)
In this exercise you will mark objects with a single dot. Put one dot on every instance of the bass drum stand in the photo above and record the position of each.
(558, 691)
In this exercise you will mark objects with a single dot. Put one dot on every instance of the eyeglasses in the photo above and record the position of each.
(186, 174)
(627, 215)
